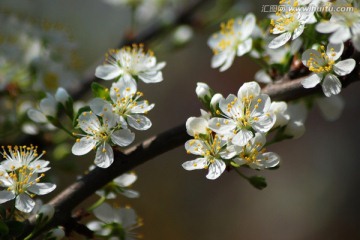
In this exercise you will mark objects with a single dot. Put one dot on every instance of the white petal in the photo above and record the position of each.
(262, 77)
(199, 163)
(344, 67)
(271, 159)
(123, 137)
(97, 105)
(280, 40)
(108, 72)
(229, 60)
(244, 47)
(326, 27)
(42, 188)
(216, 169)
(298, 31)
(94, 226)
(139, 122)
(218, 59)
(248, 25)
(242, 137)
(341, 35)
(105, 213)
(336, 49)
(6, 196)
(249, 88)
(142, 107)
(11, 165)
(196, 125)
(196, 147)
(83, 146)
(160, 66)
(48, 106)
(264, 123)
(125, 179)
(104, 156)
(89, 122)
(126, 216)
(331, 85)
(311, 81)
(222, 125)
(148, 77)
(130, 193)
(311, 53)
(24, 203)
(36, 116)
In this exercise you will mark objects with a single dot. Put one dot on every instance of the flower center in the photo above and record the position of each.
(322, 65)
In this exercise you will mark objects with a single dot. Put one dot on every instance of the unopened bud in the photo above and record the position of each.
(62, 96)
(215, 100)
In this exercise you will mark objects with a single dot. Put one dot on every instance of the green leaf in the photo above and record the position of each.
(258, 182)
(100, 91)
(81, 110)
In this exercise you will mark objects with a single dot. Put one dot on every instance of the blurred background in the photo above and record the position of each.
(313, 195)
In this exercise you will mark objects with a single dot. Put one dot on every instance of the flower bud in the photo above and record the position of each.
(62, 96)
(203, 90)
(215, 100)
(182, 35)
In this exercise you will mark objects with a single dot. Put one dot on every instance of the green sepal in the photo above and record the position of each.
(100, 91)
(234, 164)
(258, 182)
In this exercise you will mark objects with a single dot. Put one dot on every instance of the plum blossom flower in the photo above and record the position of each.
(295, 127)
(233, 39)
(115, 223)
(21, 185)
(342, 25)
(244, 114)
(18, 156)
(48, 107)
(98, 136)
(212, 150)
(326, 68)
(289, 23)
(253, 154)
(126, 107)
(131, 63)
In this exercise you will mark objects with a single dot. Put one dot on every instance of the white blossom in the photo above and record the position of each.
(48, 107)
(342, 25)
(233, 39)
(126, 107)
(289, 23)
(19, 156)
(212, 151)
(295, 127)
(98, 136)
(131, 63)
(21, 184)
(242, 114)
(326, 68)
(253, 155)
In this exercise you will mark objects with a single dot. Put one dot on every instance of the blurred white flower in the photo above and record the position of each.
(131, 63)
(115, 223)
(234, 38)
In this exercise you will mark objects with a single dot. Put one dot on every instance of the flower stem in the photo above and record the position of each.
(96, 204)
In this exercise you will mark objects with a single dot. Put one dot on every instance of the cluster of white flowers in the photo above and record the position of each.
(20, 175)
(236, 133)
(109, 119)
